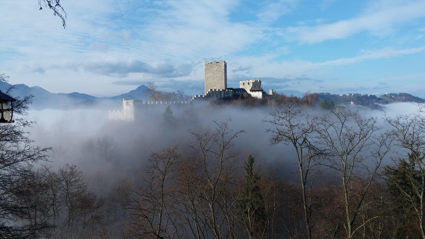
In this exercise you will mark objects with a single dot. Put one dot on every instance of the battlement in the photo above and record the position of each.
(215, 62)
(127, 113)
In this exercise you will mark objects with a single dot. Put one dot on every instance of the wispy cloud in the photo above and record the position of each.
(372, 55)
(315, 76)
(197, 29)
(124, 68)
(374, 22)
(275, 9)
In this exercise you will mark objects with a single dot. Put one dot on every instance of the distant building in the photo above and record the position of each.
(253, 87)
(216, 84)
(215, 76)
(126, 114)
(215, 89)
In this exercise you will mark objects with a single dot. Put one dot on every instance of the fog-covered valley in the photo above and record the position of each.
(117, 177)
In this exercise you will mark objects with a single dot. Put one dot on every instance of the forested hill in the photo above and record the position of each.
(368, 100)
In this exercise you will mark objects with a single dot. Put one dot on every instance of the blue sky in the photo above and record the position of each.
(112, 46)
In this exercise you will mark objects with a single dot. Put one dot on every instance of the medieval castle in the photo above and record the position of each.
(216, 84)
(215, 88)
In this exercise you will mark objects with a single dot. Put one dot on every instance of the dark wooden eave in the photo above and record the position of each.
(5, 97)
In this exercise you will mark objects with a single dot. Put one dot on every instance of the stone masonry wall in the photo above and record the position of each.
(215, 76)
(250, 85)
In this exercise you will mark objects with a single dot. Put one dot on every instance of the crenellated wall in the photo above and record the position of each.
(127, 113)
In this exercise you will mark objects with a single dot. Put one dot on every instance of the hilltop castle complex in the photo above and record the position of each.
(215, 88)
(216, 84)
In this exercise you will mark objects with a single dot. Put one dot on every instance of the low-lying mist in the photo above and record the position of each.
(111, 151)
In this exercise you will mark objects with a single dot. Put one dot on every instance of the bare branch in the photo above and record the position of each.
(56, 7)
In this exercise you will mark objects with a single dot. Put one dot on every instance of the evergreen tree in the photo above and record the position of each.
(327, 105)
(250, 203)
(406, 184)
(169, 116)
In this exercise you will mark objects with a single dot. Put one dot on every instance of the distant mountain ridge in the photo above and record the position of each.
(369, 100)
(45, 99)
(140, 93)
(42, 98)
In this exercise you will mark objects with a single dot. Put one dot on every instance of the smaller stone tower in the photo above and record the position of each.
(215, 76)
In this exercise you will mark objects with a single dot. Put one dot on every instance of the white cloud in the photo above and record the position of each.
(275, 9)
(375, 21)
(373, 55)
(198, 29)
(258, 67)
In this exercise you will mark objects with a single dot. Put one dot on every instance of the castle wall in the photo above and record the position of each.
(250, 85)
(129, 108)
(215, 76)
(253, 87)
(126, 114)
(257, 94)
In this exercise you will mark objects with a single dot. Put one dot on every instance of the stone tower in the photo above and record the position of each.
(215, 76)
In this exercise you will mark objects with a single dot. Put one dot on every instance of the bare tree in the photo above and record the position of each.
(292, 126)
(152, 210)
(73, 210)
(30, 192)
(207, 184)
(215, 157)
(274, 194)
(348, 140)
(58, 204)
(17, 155)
